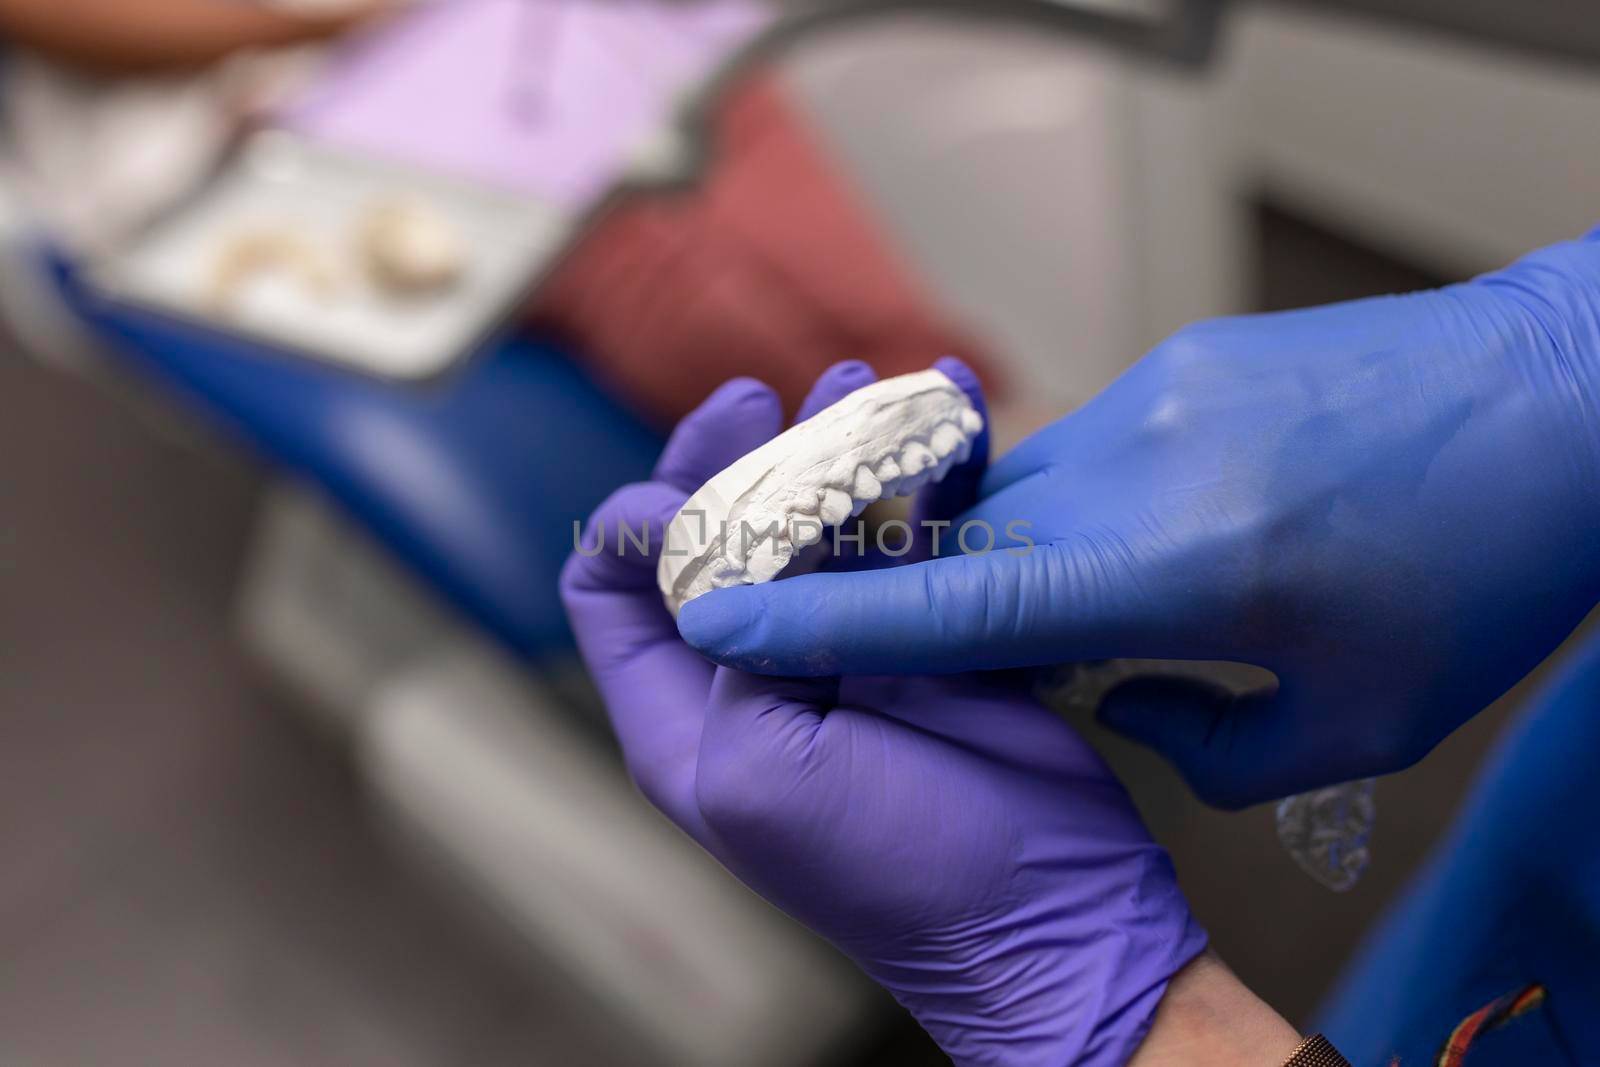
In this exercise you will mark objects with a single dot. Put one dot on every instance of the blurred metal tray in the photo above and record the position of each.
(280, 182)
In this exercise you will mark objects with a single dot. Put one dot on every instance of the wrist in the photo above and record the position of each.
(1209, 1017)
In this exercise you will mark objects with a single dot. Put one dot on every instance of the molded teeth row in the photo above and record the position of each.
(917, 463)
(803, 491)
(867, 487)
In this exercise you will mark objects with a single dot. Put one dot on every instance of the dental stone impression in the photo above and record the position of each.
(410, 248)
(744, 526)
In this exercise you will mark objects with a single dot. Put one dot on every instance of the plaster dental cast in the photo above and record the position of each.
(884, 440)
(1392, 504)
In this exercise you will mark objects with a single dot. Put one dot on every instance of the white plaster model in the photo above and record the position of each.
(745, 525)
(410, 248)
(256, 253)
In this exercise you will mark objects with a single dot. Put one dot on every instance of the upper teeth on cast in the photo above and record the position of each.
(745, 525)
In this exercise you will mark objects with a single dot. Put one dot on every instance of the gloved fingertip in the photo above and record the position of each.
(850, 370)
(964, 376)
(1127, 719)
(713, 624)
(734, 628)
(959, 489)
(1167, 714)
(834, 384)
(1196, 725)
(743, 392)
(741, 414)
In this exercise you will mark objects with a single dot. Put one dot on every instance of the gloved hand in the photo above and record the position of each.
(1393, 504)
(956, 839)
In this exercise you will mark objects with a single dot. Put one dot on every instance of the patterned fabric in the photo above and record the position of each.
(1491, 1016)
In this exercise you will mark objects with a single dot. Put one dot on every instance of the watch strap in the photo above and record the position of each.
(1316, 1052)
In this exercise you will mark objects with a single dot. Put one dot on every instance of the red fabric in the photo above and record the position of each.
(768, 268)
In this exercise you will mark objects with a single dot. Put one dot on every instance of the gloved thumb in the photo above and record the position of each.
(753, 706)
(1232, 748)
(938, 617)
(1006, 608)
(758, 737)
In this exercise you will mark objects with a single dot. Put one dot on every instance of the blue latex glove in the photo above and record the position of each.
(1393, 504)
(953, 837)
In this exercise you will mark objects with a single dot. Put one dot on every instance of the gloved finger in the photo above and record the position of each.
(958, 491)
(1234, 749)
(742, 414)
(758, 735)
(656, 703)
(654, 685)
(833, 385)
(1049, 603)
(618, 548)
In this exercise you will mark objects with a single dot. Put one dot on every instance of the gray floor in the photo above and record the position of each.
(188, 876)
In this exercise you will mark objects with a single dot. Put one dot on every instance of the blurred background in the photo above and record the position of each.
(323, 323)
